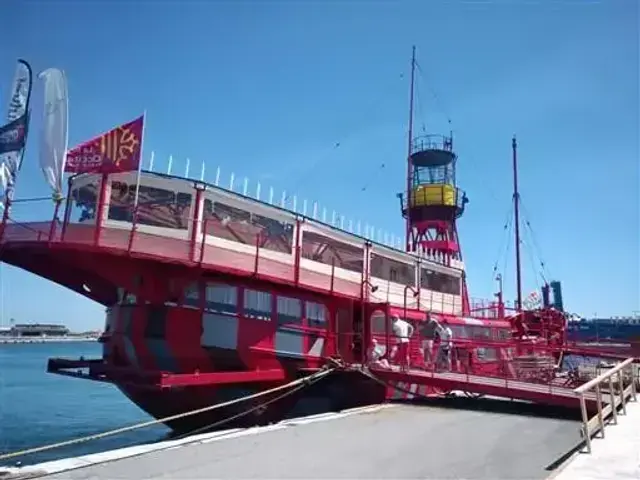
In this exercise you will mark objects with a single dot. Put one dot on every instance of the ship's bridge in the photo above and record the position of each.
(433, 191)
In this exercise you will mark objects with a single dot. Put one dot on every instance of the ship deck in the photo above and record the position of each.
(485, 439)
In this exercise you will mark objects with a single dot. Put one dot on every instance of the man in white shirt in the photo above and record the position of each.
(403, 331)
(444, 332)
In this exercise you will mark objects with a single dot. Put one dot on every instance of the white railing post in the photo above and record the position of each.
(597, 422)
(585, 423)
(612, 399)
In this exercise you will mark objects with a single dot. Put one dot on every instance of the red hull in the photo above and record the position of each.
(338, 393)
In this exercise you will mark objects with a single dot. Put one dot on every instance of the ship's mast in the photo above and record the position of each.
(409, 141)
(516, 205)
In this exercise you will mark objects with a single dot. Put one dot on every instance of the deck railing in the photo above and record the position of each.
(191, 241)
(618, 396)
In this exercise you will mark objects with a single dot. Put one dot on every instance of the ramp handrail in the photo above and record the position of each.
(595, 424)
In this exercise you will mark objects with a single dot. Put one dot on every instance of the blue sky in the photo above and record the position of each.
(267, 89)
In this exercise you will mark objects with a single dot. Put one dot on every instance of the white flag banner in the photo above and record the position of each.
(10, 162)
(532, 301)
(54, 137)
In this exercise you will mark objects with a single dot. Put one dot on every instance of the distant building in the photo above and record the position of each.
(38, 330)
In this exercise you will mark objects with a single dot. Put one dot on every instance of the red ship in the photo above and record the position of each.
(211, 295)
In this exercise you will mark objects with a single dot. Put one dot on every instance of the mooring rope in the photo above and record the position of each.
(301, 382)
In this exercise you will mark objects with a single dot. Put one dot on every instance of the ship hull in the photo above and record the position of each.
(338, 391)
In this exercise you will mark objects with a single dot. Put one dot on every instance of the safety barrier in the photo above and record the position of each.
(591, 426)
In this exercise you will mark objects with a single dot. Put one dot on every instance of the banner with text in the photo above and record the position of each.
(117, 150)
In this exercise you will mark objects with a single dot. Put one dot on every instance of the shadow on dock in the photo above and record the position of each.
(497, 405)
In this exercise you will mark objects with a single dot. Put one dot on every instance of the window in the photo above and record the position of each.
(121, 201)
(222, 298)
(459, 331)
(85, 199)
(289, 310)
(479, 332)
(440, 282)
(192, 295)
(391, 270)
(157, 207)
(502, 333)
(257, 304)
(323, 249)
(316, 315)
(242, 226)
(378, 320)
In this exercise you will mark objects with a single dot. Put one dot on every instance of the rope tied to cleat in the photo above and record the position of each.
(295, 386)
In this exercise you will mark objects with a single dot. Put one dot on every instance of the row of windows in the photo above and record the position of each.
(164, 208)
(220, 298)
(329, 251)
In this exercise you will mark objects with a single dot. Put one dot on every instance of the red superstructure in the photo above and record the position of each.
(211, 295)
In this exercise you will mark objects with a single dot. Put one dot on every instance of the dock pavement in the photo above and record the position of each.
(452, 439)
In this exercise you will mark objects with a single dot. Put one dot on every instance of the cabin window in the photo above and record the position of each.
(221, 298)
(242, 226)
(316, 315)
(479, 332)
(85, 200)
(487, 354)
(289, 310)
(257, 304)
(502, 334)
(326, 250)
(157, 207)
(460, 331)
(392, 270)
(378, 323)
(439, 282)
(192, 295)
(121, 201)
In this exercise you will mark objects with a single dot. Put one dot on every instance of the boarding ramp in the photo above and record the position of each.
(519, 371)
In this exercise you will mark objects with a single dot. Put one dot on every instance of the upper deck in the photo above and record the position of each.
(194, 223)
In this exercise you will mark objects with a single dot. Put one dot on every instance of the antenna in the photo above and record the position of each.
(409, 141)
(516, 205)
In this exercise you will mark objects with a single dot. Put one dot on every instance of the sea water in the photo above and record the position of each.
(38, 408)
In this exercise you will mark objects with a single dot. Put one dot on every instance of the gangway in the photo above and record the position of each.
(413, 382)
(482, 358)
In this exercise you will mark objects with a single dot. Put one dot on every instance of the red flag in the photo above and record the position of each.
(118, 150)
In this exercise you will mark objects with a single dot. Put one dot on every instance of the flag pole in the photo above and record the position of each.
(137, 197)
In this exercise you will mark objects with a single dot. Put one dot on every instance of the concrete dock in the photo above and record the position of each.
(486, 439)
(616, 456)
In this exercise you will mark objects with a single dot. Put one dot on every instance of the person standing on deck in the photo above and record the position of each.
(427, 332)
(403, 331)
(445, 334)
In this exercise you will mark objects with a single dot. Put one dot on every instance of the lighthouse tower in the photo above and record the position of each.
(432, 202)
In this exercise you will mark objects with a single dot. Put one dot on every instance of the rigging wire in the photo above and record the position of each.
(503, 243)
(435, 96)
(508, 249)
(369, 112)
(532, 263)
(535, 245)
